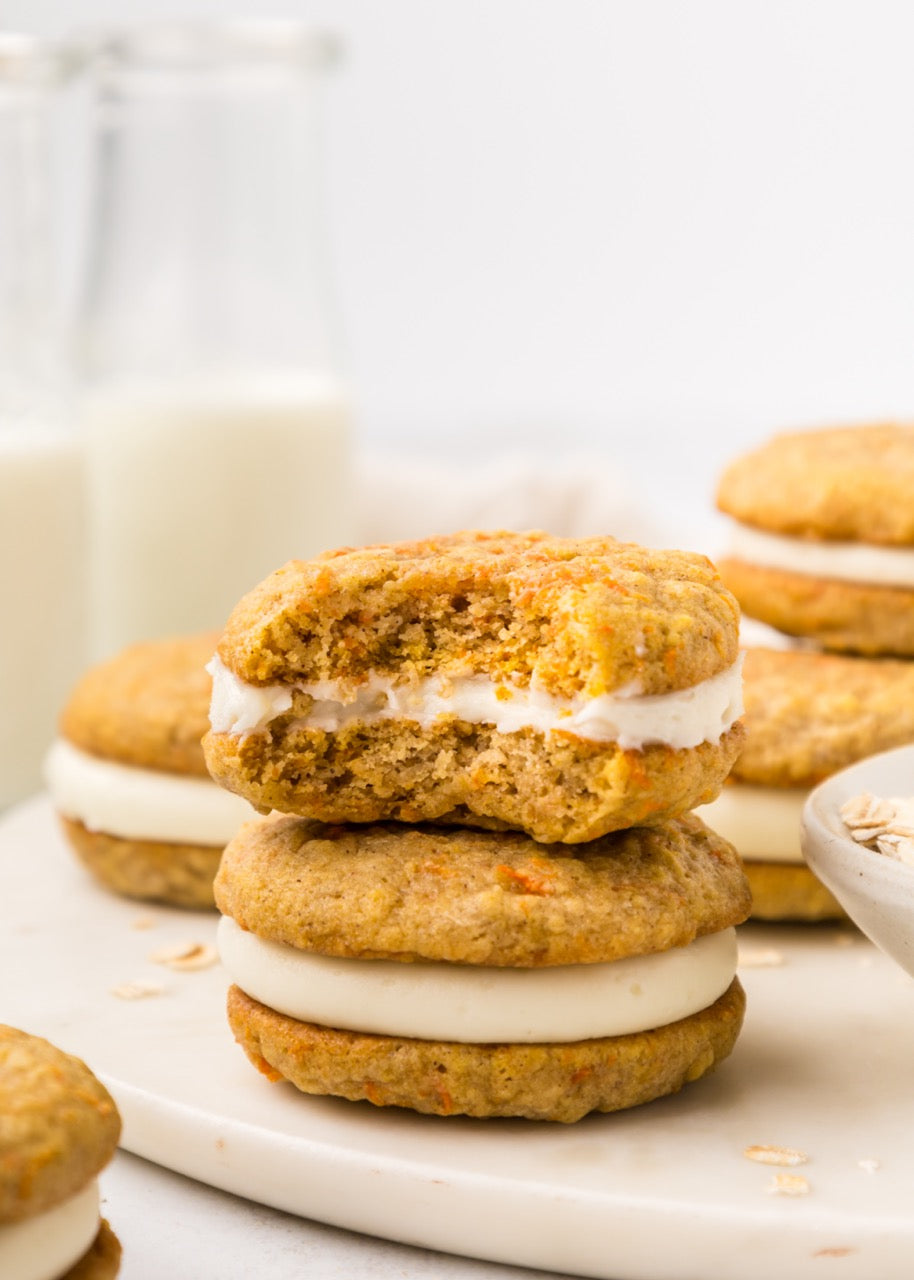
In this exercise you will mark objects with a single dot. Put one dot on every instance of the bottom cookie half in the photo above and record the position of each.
(103, 1260)
(560, 1082)
(178, 874)
(783, 891)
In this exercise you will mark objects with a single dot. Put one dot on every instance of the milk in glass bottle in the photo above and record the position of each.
(42, 544)
(215, 418)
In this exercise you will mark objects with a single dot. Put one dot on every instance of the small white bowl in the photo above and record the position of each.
(876, 891)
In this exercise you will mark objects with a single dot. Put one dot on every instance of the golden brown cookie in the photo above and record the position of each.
(58, 1129)
(823, 539)
(511, 679)
(783, 892)
(180, 875)
(846, 617)
(850, 484)
(459, 915)
(129, 779)
(561, 1082)
(810, 714)
(393, 891)
(147, 706)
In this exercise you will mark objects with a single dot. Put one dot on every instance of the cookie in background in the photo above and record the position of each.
(128, 779)
(822, 536)
(59, 1129)
(808, 714)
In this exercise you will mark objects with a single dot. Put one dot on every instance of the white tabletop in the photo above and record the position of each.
(172, 1226)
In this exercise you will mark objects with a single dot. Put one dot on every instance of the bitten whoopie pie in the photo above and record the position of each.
(59, 1127)
(452, 970)
(808, 714)
(822, 539)
(565, 688)
(128, 777)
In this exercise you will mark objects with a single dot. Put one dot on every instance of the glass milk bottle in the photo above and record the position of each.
(215, 419)
(42, 547)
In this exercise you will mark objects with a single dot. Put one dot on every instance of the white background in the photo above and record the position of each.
(654, 226)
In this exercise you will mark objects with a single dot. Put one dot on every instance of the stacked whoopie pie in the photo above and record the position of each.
(822, 550)
(480, 889)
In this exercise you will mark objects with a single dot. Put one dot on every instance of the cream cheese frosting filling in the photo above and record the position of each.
(141, 804)
(47, 1245)
(473, 1004)
(762, 823)
(682, 719)
(845, 561)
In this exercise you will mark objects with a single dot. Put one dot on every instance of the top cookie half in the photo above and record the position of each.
(822, 540)
(564, 687)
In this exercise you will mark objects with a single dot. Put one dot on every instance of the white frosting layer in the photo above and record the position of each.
(477, 1005)
(762, 823)
(141, 804)
(47, 1245)
(844, 561)
(680, 720)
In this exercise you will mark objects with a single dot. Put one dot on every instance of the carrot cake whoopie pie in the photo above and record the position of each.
(460, 971)
(59, 1127)
(822, 536)
(808, 715)
(561, 687)
(128, 778)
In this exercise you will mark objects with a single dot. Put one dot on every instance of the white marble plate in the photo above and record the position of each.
(664, 1192)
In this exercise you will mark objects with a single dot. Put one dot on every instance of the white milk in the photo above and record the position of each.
(198, 492)
(42, 595)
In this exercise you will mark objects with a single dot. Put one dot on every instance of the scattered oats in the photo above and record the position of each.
(186, 956)
(788, 1184)
(142, 923)
(759, 957)
(776, 1155)
(868, 1166)
(886, 826)
(137, 990)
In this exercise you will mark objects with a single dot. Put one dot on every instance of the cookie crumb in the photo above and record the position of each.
(869, 1165)
(186, 956)
(137, 990)
(759, 957)
(142, 923)
(836, 1251)
(775, 1155)
(788, 1184)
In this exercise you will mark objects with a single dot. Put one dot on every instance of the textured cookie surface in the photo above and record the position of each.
(582, 615)
(847, 484)
(478, 897)
(178, 874)
(564, 618)
(554, 787)
(148, 706)
(782, 891)
(58, 1125)
(842, 616)
(810, 714)
(537, 1081)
